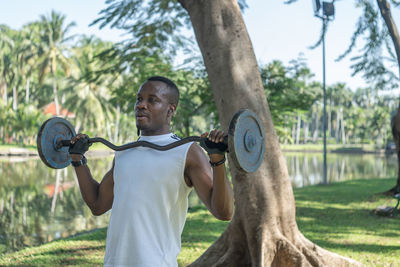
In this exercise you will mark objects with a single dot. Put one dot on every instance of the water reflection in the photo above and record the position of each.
(306, 168)
(39, 204)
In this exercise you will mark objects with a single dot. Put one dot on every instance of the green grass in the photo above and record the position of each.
(337, 217)
(83, 250)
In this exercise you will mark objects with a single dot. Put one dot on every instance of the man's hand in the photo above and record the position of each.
(214, 143)
(79, 145)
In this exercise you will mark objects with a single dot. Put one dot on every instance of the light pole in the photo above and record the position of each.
(328, 10)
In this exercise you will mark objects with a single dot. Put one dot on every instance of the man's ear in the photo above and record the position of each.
(171, 109)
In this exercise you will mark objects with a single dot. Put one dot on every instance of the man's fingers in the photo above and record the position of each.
(211, 137)
(220, 136)
(216, 136)
(204, 134)
(77, 137)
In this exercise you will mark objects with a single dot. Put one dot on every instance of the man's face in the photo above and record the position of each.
(151, 108)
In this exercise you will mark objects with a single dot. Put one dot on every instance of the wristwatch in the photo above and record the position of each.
(80, 162)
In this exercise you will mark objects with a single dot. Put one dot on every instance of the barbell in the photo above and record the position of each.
(245, 140)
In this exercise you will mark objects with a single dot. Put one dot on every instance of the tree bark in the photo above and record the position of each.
(384, 8)
(395, 124)
(263, 231)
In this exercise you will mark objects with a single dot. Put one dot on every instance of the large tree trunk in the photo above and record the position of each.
(263, 231)
(395, 124)
(384, 8)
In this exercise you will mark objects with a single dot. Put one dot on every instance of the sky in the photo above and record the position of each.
(277, 31)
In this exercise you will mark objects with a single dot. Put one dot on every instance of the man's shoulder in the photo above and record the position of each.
(195, 154)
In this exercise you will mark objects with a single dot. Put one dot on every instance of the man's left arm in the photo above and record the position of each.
(209, 178)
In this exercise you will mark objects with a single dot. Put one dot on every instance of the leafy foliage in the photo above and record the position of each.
(152, 26)
(288, 91)
(370, 60)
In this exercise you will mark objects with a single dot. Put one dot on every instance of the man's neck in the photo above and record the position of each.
(153, 133)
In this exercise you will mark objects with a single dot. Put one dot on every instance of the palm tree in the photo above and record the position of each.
(28, 50)
(23, 57)
(7, 72)
(53, 39)
(88, 94)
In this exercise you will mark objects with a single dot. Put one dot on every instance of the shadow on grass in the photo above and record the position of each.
(74, 251)
(93, 235)
(357, 247)
(348, 192)
(339, 217)
(346, 221)
(202, 227)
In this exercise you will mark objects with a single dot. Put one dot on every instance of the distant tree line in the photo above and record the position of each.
(353, 116)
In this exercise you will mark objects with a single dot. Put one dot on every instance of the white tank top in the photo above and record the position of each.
(150, 205)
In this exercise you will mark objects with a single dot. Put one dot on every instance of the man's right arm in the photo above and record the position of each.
(98, 196)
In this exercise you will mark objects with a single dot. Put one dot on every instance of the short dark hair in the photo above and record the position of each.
(174, 96)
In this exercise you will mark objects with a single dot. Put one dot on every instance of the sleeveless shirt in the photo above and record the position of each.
(150, 205)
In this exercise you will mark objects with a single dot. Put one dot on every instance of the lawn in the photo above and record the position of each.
(337, 217)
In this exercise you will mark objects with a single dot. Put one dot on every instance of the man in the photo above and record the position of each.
(147, 189)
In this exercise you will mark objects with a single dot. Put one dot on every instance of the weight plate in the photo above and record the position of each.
(51, 131)
(246, 140)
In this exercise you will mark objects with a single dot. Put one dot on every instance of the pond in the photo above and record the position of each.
(39, 204)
